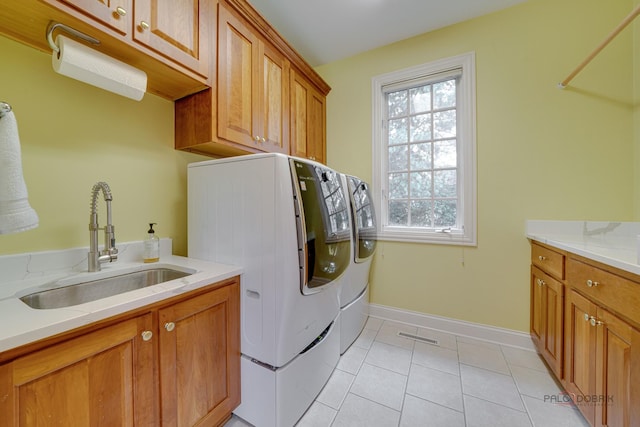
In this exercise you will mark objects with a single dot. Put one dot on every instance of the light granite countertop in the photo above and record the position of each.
(24, 274)
(611, 243)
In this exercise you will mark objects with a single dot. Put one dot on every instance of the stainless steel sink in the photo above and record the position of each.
(80, 293)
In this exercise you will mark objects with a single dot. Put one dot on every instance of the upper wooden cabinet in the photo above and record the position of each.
(308, 120)
(114, 14)
(179, 30)
(172, 41)
(253, 106)
(253, 87)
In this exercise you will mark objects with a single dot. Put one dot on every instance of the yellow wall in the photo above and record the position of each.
(543, 153)
(73, 135)
(636, 114)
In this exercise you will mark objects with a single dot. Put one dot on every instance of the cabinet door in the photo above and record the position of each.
(316, 144)
(115, 14)
(179, 30)
(537, 327)
(274, 111)
(308, 120)
(104, 378)
(553, 303)
(580, 352)
(200, 358)
(614, 379)
(547, 309)
(237, 80)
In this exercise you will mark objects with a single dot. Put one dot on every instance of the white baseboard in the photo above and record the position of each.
(479, 331)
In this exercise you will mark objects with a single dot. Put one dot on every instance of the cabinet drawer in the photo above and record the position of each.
(550, 261)
(614, 292)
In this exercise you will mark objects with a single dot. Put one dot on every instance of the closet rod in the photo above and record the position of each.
(626, 21)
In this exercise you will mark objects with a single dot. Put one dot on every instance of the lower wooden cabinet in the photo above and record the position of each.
(580, 352)
(585, 322)
(103, 378)
(176, 364)
(200, 358)
(617, 352)
(602, 364)
(547, 308)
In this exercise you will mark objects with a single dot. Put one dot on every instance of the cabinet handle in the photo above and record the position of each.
(541, 282)
(592, 284)
(256, 138)
(542, 258)
(121, 11)
(263, 139)
(147, 335)
(586, 317)
(169, 326)
(144, 25)
(595, 322)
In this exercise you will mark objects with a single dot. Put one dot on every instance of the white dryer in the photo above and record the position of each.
(354, 290)
(285, 221)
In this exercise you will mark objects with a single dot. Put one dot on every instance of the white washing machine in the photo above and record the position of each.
(354, 290)
(285, 221)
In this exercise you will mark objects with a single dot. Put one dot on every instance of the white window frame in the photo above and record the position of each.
(465, 233)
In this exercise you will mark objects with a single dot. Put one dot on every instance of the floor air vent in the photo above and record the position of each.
(417, 338)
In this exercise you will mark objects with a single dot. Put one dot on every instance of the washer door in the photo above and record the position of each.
(323, 224)
(364, 218)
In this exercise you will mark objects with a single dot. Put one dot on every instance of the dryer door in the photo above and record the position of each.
(323, 224)
(364, 218)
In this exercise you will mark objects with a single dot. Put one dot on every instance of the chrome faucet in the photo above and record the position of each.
(110, 252)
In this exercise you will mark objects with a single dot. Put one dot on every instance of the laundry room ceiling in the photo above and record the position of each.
(324, 31)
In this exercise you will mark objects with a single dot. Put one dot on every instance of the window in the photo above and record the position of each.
(424, 152)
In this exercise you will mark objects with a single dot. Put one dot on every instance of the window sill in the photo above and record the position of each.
(438, 238)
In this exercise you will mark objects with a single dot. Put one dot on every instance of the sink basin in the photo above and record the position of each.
(92, 290)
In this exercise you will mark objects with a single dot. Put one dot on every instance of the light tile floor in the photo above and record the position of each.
(385, 380)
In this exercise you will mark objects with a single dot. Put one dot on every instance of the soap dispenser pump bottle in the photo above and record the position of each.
(151, 245)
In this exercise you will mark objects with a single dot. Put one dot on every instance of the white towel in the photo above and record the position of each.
(15, 212)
